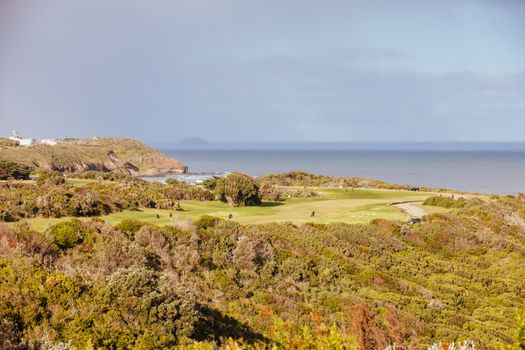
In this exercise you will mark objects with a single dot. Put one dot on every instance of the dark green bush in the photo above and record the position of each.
(211, 183)
(238, 189)
(13, 170)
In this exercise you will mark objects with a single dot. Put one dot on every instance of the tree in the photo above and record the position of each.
(238, 189)
(211, 183)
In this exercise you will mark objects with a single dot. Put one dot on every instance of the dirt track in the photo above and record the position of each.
(411, 209)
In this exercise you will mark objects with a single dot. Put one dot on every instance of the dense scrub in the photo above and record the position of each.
(51, 197)
(100, 175)
(449, 202)
(13, 170)
(301, 178)
(453, 277)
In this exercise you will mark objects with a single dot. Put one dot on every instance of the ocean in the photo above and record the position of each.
(474, 167)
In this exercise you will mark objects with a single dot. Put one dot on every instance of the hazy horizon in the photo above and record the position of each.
(344, 146)
(264, 71)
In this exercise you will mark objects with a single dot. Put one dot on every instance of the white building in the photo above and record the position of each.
(28, 142)
(21, 141)
(50, 142)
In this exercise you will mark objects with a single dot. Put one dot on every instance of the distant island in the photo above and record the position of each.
(196, 141)
(120, 155)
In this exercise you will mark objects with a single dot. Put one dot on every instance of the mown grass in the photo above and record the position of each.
(333, 205)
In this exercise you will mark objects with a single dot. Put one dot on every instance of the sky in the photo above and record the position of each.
(264, 70)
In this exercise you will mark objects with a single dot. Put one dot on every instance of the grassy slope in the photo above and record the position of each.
(335, 205)
(93, 152)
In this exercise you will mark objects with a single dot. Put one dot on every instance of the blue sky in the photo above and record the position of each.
(267, 70)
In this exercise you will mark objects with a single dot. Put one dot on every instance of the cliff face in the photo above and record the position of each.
(105, 154)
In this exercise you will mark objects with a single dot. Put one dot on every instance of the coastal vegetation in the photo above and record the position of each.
(118, 155)
(13, 170)
(301, 178)
(454, 277)
(446, 202)
(117, 197)
(103, 260)
(52, 197)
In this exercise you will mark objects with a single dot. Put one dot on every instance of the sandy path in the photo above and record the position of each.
(411, 209)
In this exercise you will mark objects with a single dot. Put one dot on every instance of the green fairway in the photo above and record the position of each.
(333, 205)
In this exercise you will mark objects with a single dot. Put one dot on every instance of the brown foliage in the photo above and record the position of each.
(365, 328)
(396, 331)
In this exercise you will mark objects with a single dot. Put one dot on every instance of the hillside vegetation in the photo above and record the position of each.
(141, 279)
(301, 178)
(331, 205)
(120, 155)
(453, 277)
(118, 197)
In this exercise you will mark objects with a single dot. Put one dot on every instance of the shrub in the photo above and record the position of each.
(129, 227)
(156, 315)
(238, 189)
(207, 221)
(13, 170)
(269, 192)
(100, 175)
(11, 329)
(88, 203)
(445, 202)
(50, 178)
(131, 282)
(67, 234)
(49, 199)
(172, 182)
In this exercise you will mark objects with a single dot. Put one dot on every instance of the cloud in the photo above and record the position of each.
(264, 71)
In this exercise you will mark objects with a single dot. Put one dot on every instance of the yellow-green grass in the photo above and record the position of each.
(333, 205)
(79, 182)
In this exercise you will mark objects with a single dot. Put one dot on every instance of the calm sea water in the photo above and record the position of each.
(486, 168)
